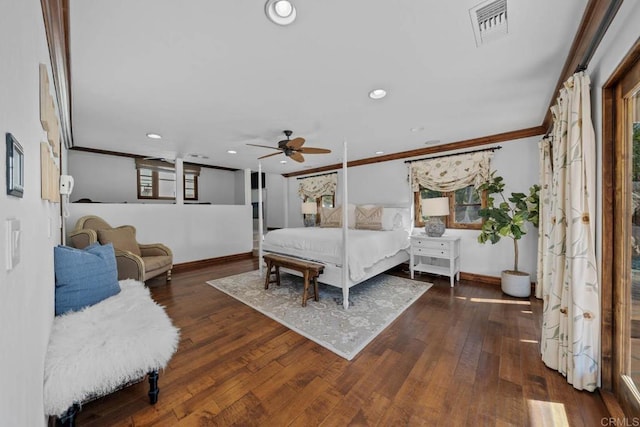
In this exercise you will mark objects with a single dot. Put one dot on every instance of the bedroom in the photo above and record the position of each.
(24, 289)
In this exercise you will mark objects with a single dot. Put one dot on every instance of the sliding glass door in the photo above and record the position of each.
(625, 247)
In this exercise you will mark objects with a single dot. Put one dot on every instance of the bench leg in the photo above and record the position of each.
(68, 418)
(267, 279)
(153, 387)
(315, 289)
(305, 293)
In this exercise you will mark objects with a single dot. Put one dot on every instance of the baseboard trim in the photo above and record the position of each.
(472, 277)
(202, 263)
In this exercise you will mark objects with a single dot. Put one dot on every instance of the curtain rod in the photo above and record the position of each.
(609, 14)
(313, 176)
(455, 154)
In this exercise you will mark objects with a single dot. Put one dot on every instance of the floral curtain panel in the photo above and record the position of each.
(452, 172)
(568, 275)
(316, 186)
(544, 223)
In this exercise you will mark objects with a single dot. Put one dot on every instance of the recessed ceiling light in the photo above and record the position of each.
(417, 129)
(232, 152)
(281, 12)
(154, 135)
(379, 152)
(284, 162)
(377, 94)
(283, 8)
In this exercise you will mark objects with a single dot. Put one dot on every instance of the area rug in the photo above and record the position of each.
(373, 305)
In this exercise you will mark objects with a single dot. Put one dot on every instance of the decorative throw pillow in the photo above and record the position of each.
(331, 217)
(123, 238)
(369, 218)
(84, 277)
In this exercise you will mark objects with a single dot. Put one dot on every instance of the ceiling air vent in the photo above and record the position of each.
(489, 20)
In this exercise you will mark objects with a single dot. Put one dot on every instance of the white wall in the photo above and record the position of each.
(193, 232)
(113, 179)
(387, 183)
(27, 291)
(275, 186)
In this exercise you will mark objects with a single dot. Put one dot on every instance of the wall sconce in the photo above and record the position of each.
(309, 211)
(434, 208)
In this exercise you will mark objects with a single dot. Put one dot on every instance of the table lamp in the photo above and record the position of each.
(434, 208)
(309, 211)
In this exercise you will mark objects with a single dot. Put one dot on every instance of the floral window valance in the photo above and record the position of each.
(316, 186)
(452, 172)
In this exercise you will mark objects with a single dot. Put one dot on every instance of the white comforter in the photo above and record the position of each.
(366, 247)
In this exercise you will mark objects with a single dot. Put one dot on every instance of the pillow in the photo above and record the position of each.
(123, 238)
(369, 218)
(84, 277)
(331, 217)
(351, 215)
(394, 218)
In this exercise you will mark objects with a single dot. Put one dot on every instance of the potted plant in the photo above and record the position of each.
(507, 218)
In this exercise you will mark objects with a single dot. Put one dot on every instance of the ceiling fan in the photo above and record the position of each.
(292, 148)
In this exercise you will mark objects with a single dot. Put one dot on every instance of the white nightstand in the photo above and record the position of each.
(437, 255)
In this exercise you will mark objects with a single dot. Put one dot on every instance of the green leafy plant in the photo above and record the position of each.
(504, 217)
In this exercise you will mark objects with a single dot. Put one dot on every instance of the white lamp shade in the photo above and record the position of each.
(435, 206)
(309, 208)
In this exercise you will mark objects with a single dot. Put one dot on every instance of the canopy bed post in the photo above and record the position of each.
(260, 230)
(412, 205)
(345, 228)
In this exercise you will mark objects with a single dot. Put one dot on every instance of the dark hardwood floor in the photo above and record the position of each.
(462, 356)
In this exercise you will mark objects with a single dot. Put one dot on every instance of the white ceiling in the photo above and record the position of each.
(211, 76)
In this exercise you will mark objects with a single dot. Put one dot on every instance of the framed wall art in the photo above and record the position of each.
(15, 167)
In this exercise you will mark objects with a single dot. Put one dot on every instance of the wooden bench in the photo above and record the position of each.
(310, 271)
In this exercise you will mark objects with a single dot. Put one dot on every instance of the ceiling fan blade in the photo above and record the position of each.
(295, 143)
(264, 146)
(313, 150)
(297, 157)
(269, 155)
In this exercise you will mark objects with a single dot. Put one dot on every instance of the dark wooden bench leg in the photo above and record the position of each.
(305, 293)
(267, 279)
(68, 418)
(315, 289)
(153, 387)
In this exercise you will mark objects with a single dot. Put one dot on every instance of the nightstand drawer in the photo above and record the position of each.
(429, 251)
(430, 244)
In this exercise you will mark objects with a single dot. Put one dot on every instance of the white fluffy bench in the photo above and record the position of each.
(105, 347)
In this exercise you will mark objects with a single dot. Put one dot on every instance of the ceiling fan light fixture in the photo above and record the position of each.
(152, 135)
(281, 12)
(377, 94)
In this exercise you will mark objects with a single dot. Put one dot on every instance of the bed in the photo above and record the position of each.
(370, 252)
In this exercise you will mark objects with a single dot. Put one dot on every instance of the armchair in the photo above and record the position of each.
(134, 260)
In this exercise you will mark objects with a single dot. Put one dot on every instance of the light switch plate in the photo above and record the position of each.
(13, 243)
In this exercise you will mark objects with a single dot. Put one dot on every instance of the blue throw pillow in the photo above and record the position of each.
(84, 277)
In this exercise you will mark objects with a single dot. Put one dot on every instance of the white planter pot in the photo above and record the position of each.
(516, 284)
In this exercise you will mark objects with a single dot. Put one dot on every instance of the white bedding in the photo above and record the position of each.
(366, 247)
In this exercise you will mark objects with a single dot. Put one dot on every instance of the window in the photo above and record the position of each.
(157, 180)
(464, 205)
